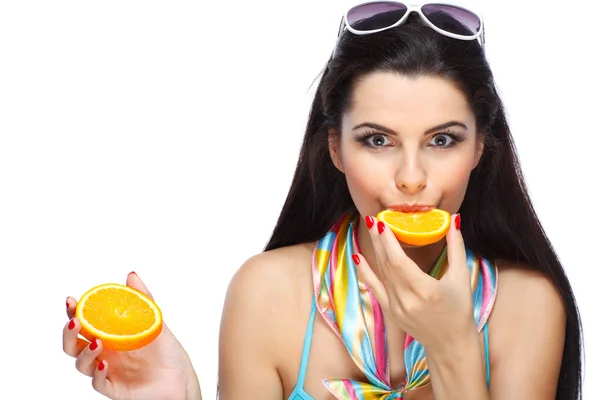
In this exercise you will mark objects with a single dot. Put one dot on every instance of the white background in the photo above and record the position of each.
(161, 137)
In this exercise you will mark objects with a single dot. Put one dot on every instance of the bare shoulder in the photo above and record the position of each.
(267, 291)
(277, 274)
(260, 306)
(527, 329)
(526, 289)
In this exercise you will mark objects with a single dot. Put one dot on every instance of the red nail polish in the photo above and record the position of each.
(457, 222)
(132, 273)
(67, 303)
(370, 221)
(380, 227)
(356, 259)
(94, 345)
(101, 365)
(71, 324)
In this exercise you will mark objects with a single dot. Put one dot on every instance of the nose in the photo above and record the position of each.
(411, 177)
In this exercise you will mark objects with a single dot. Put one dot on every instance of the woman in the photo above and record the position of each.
(406, 116)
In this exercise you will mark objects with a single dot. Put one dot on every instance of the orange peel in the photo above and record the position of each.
(417, 228)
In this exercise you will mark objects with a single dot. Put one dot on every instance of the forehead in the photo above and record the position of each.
(404, 103)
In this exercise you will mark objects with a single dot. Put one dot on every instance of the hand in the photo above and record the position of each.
(160, 370)
(437, 313)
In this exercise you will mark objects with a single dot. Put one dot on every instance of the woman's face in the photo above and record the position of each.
(406, 142)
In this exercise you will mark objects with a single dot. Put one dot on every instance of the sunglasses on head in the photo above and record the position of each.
(447, 19)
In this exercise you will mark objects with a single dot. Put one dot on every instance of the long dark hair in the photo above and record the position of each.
(499, 219)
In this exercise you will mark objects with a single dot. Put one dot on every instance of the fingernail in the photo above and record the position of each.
(457, 222)
(132, 273)
(101, 365)
(71, 324)
(380, 227)
(94, 345)
(369, 221)
(356, 259)
(67, 303)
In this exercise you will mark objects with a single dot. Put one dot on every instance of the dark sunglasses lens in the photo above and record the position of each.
(452, 19)
(372, 16)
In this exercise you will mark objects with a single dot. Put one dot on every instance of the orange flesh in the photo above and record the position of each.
(118, 312)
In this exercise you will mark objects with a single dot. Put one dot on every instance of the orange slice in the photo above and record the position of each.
(417, 228)
(122, 317)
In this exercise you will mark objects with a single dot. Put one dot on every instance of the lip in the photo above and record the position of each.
(408, 208)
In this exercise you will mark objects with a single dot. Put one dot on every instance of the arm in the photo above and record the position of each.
(249, 335)
(527, 334)
(193, 387)
(459, 372)
(526, 329)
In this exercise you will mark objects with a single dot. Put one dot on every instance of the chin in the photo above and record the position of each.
(411, 246)
(417, 246)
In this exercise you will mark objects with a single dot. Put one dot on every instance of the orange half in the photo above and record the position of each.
(122, 317)
(417, 228)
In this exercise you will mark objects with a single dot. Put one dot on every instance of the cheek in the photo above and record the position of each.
(367, 178)
(452, 180)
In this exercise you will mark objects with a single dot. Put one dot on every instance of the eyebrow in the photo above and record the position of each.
(392, 132)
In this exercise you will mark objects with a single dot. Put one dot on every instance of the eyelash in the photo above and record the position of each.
(365, 136)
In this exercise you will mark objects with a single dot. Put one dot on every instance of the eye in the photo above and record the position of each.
(443, 140)
(375, 140)
(378, 140)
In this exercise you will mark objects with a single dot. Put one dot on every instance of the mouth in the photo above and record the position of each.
(410, 208)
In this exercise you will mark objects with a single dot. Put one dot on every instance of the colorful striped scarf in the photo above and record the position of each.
(354, 314)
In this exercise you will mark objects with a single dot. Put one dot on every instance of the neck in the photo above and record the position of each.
(424, 256)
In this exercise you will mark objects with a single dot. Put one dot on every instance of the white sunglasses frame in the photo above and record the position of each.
(410, 8)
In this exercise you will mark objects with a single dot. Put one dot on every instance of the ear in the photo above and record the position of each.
(333, 139)
(479, 146)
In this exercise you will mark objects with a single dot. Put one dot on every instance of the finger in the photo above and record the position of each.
(100, 382)
(457, 255)
(370, 279)
(376, 229)
(72, 344)
(86, 360)
(71, 307)
(397, 266)
(134, 281)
